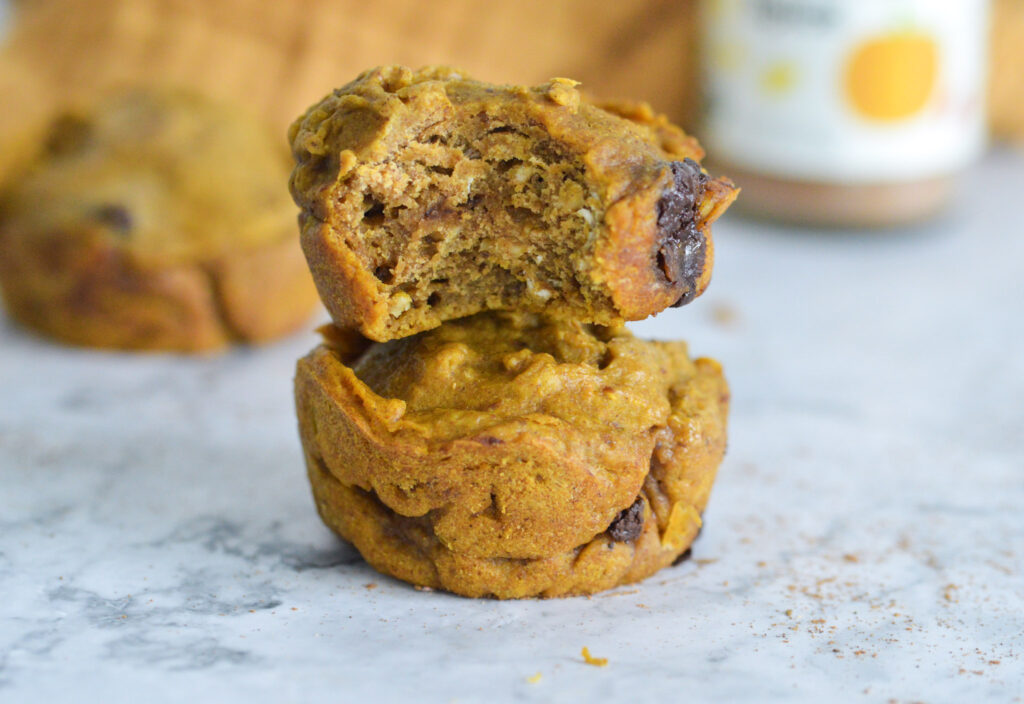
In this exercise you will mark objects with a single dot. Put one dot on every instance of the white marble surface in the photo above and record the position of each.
(865, 540)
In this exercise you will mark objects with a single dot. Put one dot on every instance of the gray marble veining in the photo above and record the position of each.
(865, 539)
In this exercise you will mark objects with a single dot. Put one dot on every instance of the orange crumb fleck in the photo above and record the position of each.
(850, 557)
(591, 660)
(610, 594)
(371, 585)
(724, 314)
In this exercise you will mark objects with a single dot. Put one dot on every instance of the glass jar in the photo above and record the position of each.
(844, 112)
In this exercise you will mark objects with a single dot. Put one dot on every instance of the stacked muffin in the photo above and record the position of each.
(478, 419)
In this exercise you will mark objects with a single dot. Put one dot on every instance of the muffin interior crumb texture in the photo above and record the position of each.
(481, 195)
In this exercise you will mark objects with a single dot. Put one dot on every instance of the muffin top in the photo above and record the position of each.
(507, 367)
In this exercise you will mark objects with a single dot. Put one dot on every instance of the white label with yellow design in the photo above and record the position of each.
(845, 91)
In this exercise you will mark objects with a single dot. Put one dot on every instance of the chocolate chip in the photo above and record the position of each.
(491, 440)
(116, 217)
(629, 524)
(681, 254)
(69, 133)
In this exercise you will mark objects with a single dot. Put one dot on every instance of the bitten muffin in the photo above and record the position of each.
(428, 196)
(154, 220)
(512, 455)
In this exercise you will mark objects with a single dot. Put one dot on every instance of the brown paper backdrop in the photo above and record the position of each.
(281, 56)
(278, 56)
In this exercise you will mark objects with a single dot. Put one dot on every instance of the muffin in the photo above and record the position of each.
(511, 454)
(427, 196)
(154, 220)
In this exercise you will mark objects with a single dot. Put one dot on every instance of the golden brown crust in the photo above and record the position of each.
(79, 290)
(428, 196)
(264, 293)
(491, 455)
(153, 220)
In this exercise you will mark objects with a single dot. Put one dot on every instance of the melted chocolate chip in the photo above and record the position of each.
(681, 254)
(629, 524)
(116, 217)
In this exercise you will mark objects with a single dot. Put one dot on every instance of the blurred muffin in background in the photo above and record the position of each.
(154, 219)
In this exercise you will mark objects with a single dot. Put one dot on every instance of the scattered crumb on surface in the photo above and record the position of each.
(535, 679)
(373, 585)
(616, 593)
(591, 660)
(724, 314)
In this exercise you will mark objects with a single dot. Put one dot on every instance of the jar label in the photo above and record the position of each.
(845, 91)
